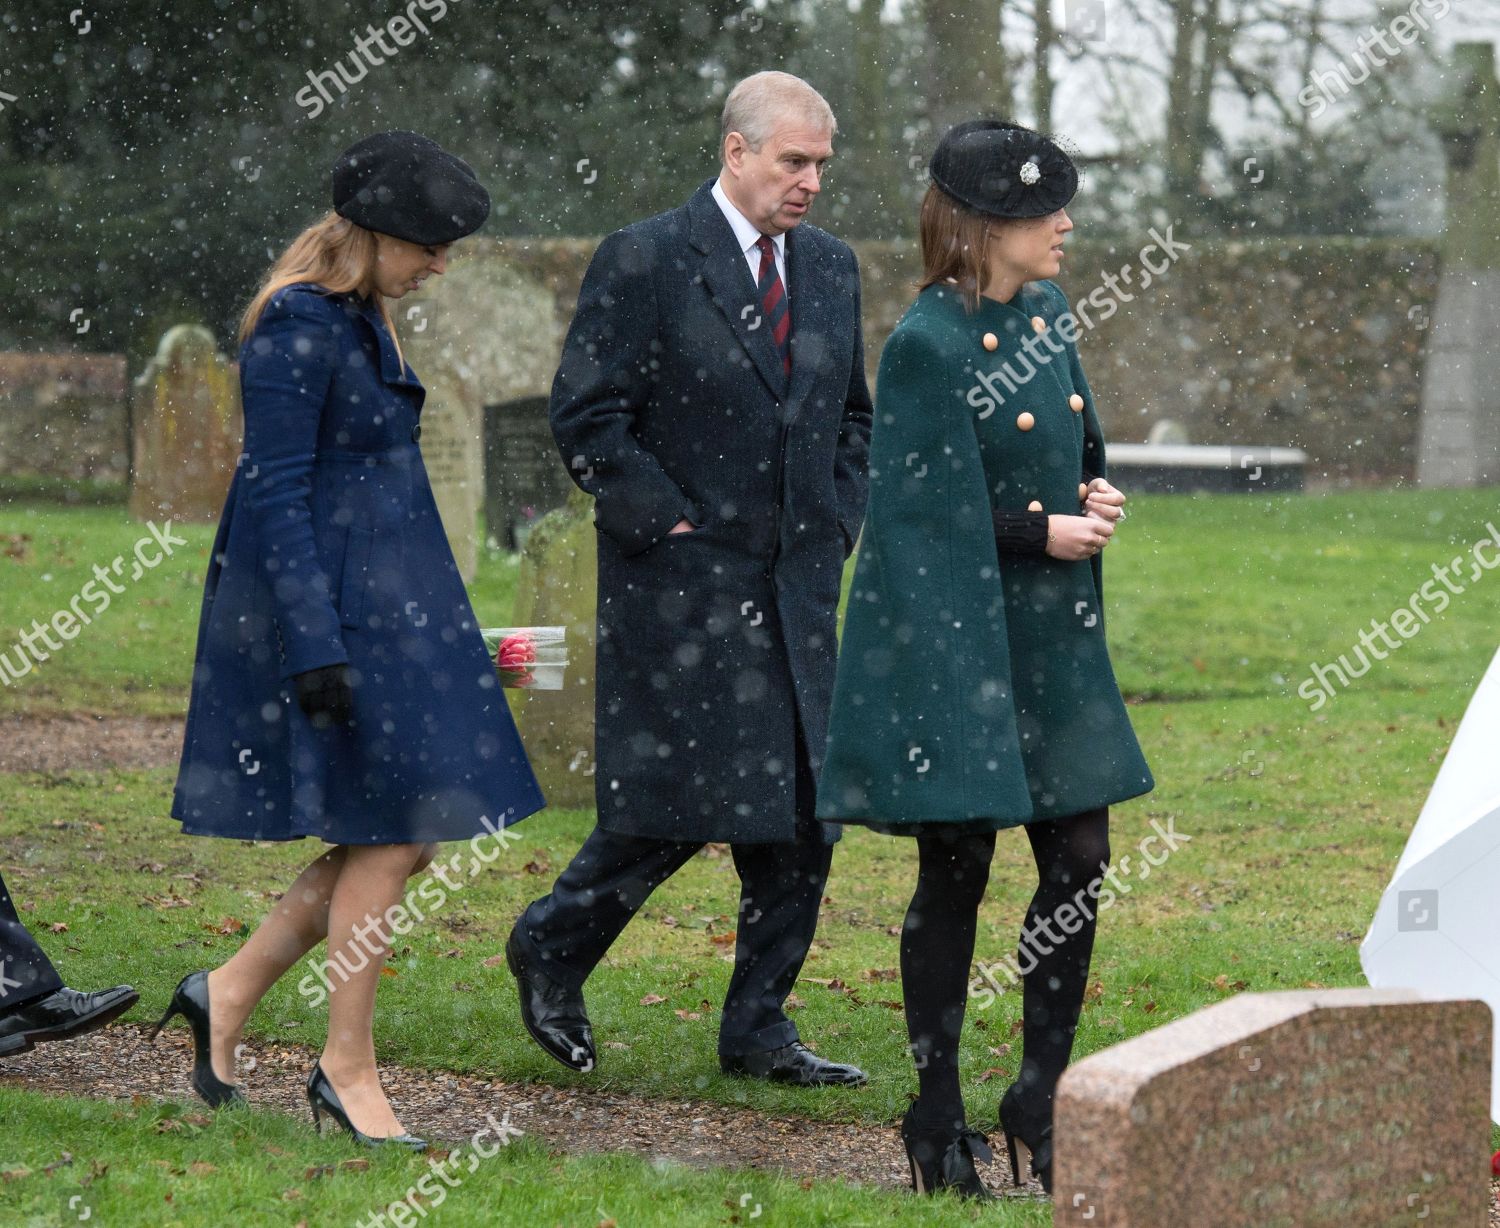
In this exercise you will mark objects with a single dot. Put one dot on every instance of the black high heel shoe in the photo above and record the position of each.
(1036, 1141)
(942, 1157)
(190, 1000)
(323, 1098)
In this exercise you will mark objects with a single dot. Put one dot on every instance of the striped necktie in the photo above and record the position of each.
(773, 301)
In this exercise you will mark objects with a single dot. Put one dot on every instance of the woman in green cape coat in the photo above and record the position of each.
(974, 688)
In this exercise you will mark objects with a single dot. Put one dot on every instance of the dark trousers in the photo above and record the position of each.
(25, 973)
(781, 885)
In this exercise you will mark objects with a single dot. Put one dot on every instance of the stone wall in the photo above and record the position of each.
(64, 416)
(1316, 344)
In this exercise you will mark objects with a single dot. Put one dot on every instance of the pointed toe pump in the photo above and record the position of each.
(323, 1099)
(190, 1000)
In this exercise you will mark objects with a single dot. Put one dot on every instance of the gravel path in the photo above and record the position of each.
(80, 741)
(120, 1063)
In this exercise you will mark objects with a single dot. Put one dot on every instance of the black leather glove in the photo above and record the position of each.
(326, 695)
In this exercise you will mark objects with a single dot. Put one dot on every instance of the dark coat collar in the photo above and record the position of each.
(728, 279)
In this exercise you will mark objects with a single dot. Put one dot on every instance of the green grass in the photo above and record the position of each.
(1217, 606)
(167, 1166)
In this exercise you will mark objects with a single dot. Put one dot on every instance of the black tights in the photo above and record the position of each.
(937, 949)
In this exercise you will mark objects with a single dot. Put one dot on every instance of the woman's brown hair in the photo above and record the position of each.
(334, 253)
(955, 245)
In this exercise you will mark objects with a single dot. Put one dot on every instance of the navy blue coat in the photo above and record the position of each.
(671, 403)
(330, 550)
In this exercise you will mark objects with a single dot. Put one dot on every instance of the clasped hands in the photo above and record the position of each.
(1071, 538)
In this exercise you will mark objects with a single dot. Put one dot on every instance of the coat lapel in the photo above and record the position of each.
(727, 276)
(393, 370)
(809, 318)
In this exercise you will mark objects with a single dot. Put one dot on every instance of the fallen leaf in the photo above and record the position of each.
(651, 999)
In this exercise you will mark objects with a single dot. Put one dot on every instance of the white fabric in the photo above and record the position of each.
(749, 235)
(1451, 944)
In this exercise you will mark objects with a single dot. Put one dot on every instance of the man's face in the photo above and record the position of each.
(775, 185)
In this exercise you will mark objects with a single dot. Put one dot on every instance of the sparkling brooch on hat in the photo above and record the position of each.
(1030, 172)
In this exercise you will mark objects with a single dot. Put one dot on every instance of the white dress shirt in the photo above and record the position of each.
(748, 235)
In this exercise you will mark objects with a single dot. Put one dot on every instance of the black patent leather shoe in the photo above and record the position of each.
(61, 1015)
(794, 1063)
(1035, 1139)
(323, 1099)
(942, 1157)
(190, 1000)
(552, 1012)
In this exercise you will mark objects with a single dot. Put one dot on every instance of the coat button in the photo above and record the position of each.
(1034, 506)
(991, 342)
(416, 432)
(1039, 324)
(1025, 422)
(1075, 403)
(1083, 492)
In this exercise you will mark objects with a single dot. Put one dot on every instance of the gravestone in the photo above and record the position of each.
(1330, 1108)
(1460, 433)
(453, 452)
(558, 586)
(185, 429)
(524, 478)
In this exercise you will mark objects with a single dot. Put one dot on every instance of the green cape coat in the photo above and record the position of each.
(974, 689)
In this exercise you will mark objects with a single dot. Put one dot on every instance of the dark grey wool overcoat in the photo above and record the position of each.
(715, 646)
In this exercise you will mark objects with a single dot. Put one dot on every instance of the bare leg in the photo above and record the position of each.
(293, 928)
(372, 879)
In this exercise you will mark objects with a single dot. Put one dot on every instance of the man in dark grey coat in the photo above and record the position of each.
(712, 399)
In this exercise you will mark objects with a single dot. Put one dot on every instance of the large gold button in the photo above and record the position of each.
(1083, 492)
(991, 342)
(1075, 403)
(1034, 506)
(1025, 422)
(1039, 324)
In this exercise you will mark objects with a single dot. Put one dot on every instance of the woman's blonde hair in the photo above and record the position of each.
(334, 253)
(955, 245)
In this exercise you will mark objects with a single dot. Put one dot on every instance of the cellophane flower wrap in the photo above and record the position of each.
(531, 658)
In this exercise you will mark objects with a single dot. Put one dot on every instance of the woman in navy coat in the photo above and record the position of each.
(341, 688)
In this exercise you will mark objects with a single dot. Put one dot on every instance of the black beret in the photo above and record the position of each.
(1003, 169)
(403, 184)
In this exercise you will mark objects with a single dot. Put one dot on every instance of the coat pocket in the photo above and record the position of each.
(356, 576)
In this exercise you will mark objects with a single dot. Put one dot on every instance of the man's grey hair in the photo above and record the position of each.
(758, 103)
